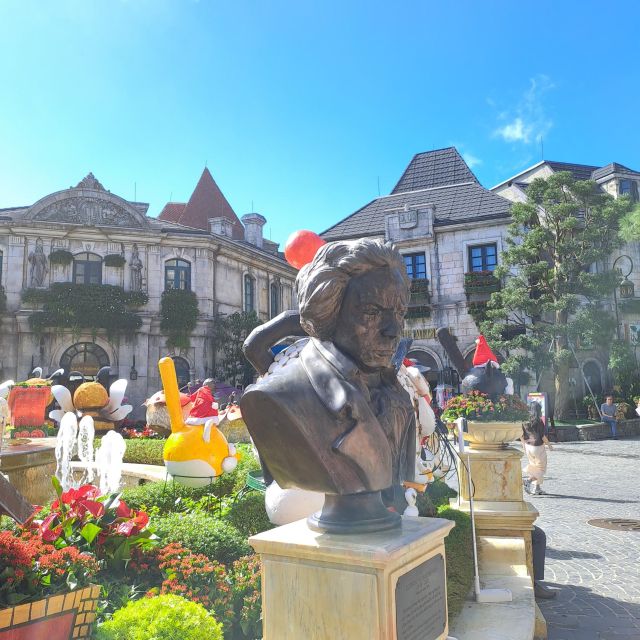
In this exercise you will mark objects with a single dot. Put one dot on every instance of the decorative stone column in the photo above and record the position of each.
(499, 505)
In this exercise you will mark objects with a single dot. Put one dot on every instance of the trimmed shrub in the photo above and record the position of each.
(248, 515)
(440, 492)
(165, 617)
(169, 497)
(204, 534)
(459, 550)
(144, 451)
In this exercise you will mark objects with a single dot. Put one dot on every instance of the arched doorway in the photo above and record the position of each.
(593, 375)
(426, 360)
(85, 357)
(182, 371)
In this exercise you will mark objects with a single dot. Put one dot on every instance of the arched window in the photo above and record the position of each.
(275, 299)
(249, 293)
(182, 371)
(177, 275)
(87, 268)
(86, 357)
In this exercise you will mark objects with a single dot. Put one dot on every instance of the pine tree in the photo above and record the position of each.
(555, 281)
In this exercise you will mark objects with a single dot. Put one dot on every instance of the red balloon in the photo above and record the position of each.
(302, 247)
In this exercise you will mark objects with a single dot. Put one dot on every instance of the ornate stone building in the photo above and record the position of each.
(449, 229)
(86, 235)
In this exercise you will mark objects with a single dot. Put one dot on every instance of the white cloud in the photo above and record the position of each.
(471, 160)
(528, 121)
(515, 131)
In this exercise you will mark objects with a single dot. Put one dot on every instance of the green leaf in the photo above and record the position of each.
(90, 531)
(56, 485)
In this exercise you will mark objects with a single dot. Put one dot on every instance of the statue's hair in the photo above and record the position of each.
(321, 283)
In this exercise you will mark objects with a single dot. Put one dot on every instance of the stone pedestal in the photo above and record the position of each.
(389, 585)
(500, 509)
(29, 468)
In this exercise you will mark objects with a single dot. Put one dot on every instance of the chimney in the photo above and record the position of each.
(253, 223)
(221, 227)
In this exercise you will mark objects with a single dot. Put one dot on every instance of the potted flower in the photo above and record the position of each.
(45, 593)
(491, 424)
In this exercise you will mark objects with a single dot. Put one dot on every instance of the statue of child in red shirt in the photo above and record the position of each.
(205, 407)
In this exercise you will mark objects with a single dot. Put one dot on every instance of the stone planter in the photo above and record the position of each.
(64, 616)
(492, 435)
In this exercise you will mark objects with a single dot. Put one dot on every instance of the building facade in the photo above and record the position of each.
(87, 235)
(450, 230)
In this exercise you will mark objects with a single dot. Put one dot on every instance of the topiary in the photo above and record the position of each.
(216, 539)
(249, 515)
(165, 617)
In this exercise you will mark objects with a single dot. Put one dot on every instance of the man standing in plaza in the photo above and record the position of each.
(608, 414)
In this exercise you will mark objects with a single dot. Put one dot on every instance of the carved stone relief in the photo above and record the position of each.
(88, 211)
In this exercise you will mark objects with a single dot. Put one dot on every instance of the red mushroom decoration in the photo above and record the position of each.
(301, 247)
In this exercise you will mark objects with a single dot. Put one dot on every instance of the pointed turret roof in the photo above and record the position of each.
(207, 201)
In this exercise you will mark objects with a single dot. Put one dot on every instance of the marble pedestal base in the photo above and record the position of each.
(500, 509)
(317, 586)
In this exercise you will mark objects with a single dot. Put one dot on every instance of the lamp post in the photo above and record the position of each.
(626, 286)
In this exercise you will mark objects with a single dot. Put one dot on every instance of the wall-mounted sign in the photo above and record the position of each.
(428, 333)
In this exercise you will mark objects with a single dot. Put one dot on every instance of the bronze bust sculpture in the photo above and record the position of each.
(334, 418)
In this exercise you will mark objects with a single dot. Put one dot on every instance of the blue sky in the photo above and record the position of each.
(304, 107)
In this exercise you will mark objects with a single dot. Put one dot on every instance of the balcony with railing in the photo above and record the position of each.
(420, 300)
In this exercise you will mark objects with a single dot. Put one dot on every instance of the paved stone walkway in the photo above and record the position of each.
(597, 570)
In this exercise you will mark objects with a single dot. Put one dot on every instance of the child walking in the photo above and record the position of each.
(535, 442)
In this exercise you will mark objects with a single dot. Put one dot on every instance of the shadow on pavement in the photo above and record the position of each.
(558, 554)
(577, 613)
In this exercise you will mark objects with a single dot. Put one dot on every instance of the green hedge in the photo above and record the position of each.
(459, 550)
(144, 451)
(202, 533)
(248, 515)
(168, 497)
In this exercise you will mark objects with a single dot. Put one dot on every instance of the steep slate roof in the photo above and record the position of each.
(455, 202)
(612, 167)
(172, 211)
(434, 169)
(207, 201)
(579, 171)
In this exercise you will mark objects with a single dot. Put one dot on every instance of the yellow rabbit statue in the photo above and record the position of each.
(193, 455)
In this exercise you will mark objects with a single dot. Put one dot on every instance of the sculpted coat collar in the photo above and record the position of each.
(333, 376)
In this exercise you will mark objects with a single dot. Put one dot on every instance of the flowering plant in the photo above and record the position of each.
(146, 432)
(246, 595)
(95, 523)
(193, 576)
(31, 569)
(478, 406)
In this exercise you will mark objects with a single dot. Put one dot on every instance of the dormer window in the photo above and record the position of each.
(629, 188)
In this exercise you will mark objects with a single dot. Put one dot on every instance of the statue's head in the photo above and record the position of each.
(355, 294)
